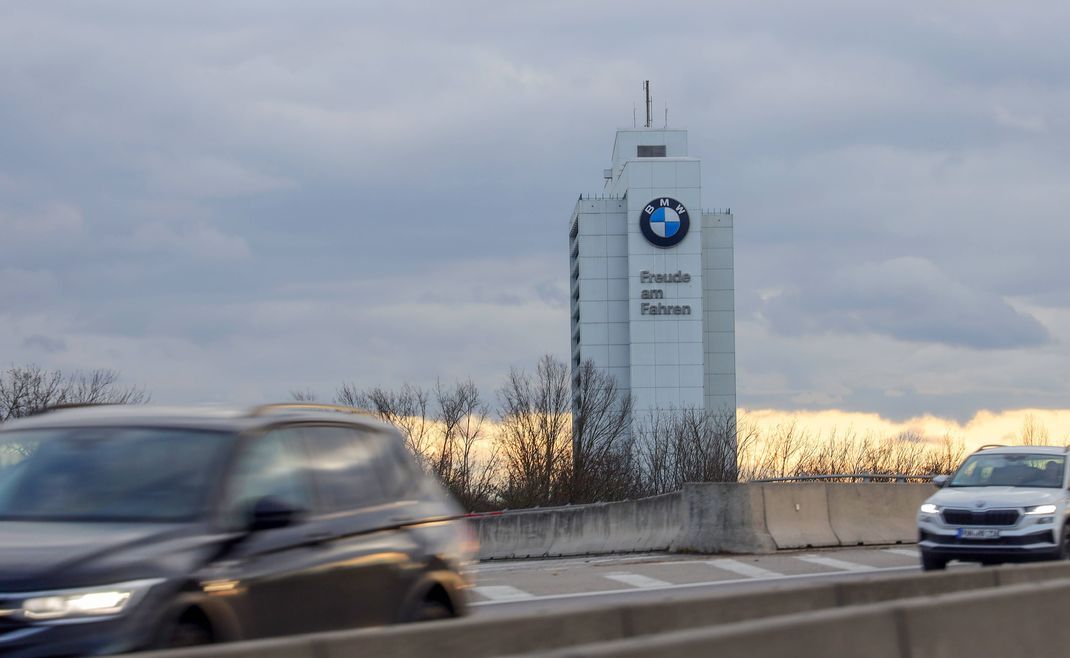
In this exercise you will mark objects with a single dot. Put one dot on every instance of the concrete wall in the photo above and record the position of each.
(1019, 620)
(713, 518)
(647, 524)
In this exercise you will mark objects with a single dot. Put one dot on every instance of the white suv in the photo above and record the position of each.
(1002, 504)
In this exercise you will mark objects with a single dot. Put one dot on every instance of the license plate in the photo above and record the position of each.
(978, 533)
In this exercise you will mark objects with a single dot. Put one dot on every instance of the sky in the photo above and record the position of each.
(227, 202)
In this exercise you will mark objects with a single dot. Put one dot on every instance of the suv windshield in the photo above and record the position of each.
(106, 474)
(1011, 470)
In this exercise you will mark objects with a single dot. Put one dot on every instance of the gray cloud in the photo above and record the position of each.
(44, 343)
(906, 298)
(187, 192)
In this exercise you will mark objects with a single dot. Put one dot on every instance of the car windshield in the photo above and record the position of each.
(107, 474)
(1011, 470)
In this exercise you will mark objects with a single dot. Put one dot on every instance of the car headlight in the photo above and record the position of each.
(929, 508)
(1040, 509)
(87, 603)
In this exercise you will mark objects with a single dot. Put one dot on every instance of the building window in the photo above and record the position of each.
(651, 151)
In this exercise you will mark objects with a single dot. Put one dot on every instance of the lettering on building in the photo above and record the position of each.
(646, 308)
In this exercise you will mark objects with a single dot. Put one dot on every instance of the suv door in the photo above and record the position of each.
(359, 485)
(279, 574)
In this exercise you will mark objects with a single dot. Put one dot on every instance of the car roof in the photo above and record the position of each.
(1032, 450)
(207, 417)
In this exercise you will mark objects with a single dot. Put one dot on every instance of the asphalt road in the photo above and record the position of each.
(531, 586)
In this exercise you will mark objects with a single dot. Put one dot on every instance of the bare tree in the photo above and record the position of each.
(945, 456)
(407, 409)
(687, 445)
(462, 459)
(603, 465)
(26, 390)
(302, 395)
(535, 434)
(1033, 432)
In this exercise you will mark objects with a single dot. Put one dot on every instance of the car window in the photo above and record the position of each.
(351, 468)
(1011, 470)
(102, 473)
(270, 466)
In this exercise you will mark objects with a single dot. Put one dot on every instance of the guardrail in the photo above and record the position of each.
(862, 477)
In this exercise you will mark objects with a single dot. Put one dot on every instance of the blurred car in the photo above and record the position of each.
(128, 528)
(1003, 504)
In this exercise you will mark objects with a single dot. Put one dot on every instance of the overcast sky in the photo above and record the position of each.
(227, 201)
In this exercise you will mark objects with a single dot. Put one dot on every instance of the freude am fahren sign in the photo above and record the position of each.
(651, 308)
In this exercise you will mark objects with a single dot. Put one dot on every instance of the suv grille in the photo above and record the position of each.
(987, 517)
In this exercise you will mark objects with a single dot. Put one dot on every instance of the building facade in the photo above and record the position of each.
(653, 301)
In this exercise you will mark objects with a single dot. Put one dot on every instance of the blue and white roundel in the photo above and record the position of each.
(664, 222)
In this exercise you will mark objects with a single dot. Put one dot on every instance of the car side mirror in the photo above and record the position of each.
(939, 481)
(270, 513)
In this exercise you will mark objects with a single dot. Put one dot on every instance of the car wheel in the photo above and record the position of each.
(1064, 547)
(432, 611)
(932, 562)
(186, 632)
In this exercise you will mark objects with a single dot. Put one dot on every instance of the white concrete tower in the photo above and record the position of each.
(652, 279)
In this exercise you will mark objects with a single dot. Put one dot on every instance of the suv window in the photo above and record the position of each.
(352, 468)
(271, 465)
(1011, 470)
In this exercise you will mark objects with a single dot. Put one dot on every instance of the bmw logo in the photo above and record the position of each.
(664, 222)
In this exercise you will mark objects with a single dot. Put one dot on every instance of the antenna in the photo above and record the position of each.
(646, 88)
(666, 115)
(634, 124)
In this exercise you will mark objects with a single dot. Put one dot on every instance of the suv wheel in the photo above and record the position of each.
(432, 610)
(1064, 546)
(189, 631)
(930, 562)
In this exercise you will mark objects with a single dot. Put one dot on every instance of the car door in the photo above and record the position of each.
(370, 553)
(278, 575)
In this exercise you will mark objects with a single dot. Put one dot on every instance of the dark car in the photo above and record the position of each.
(126, 528)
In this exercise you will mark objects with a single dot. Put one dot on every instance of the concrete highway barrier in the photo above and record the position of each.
(771, 616)
(797, 514)
(712, 518)
(875, 512)
(723, 518)
(646, 524)
(1017, 620)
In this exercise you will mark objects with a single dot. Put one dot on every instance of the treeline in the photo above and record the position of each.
(26, 390)
(525, 448)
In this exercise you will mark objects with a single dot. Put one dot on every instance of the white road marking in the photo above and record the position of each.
(502, 593)
(909, 552)
(843, 565)
(743, 569)
(554, 564)
(709, 583)
(636, 580)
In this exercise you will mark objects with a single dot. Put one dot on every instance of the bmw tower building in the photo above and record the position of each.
(652, 282)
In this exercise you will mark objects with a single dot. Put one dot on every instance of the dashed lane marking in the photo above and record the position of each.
(743, 569)
(636, 580)
(909, 552)
(684, 586)
(502, 593)
(843, 565)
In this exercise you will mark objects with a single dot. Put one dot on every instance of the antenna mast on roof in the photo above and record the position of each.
(646, 89)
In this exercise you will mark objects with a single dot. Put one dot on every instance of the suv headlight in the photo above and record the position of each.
(1040, 509)
(84, 604)
(929, 508)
